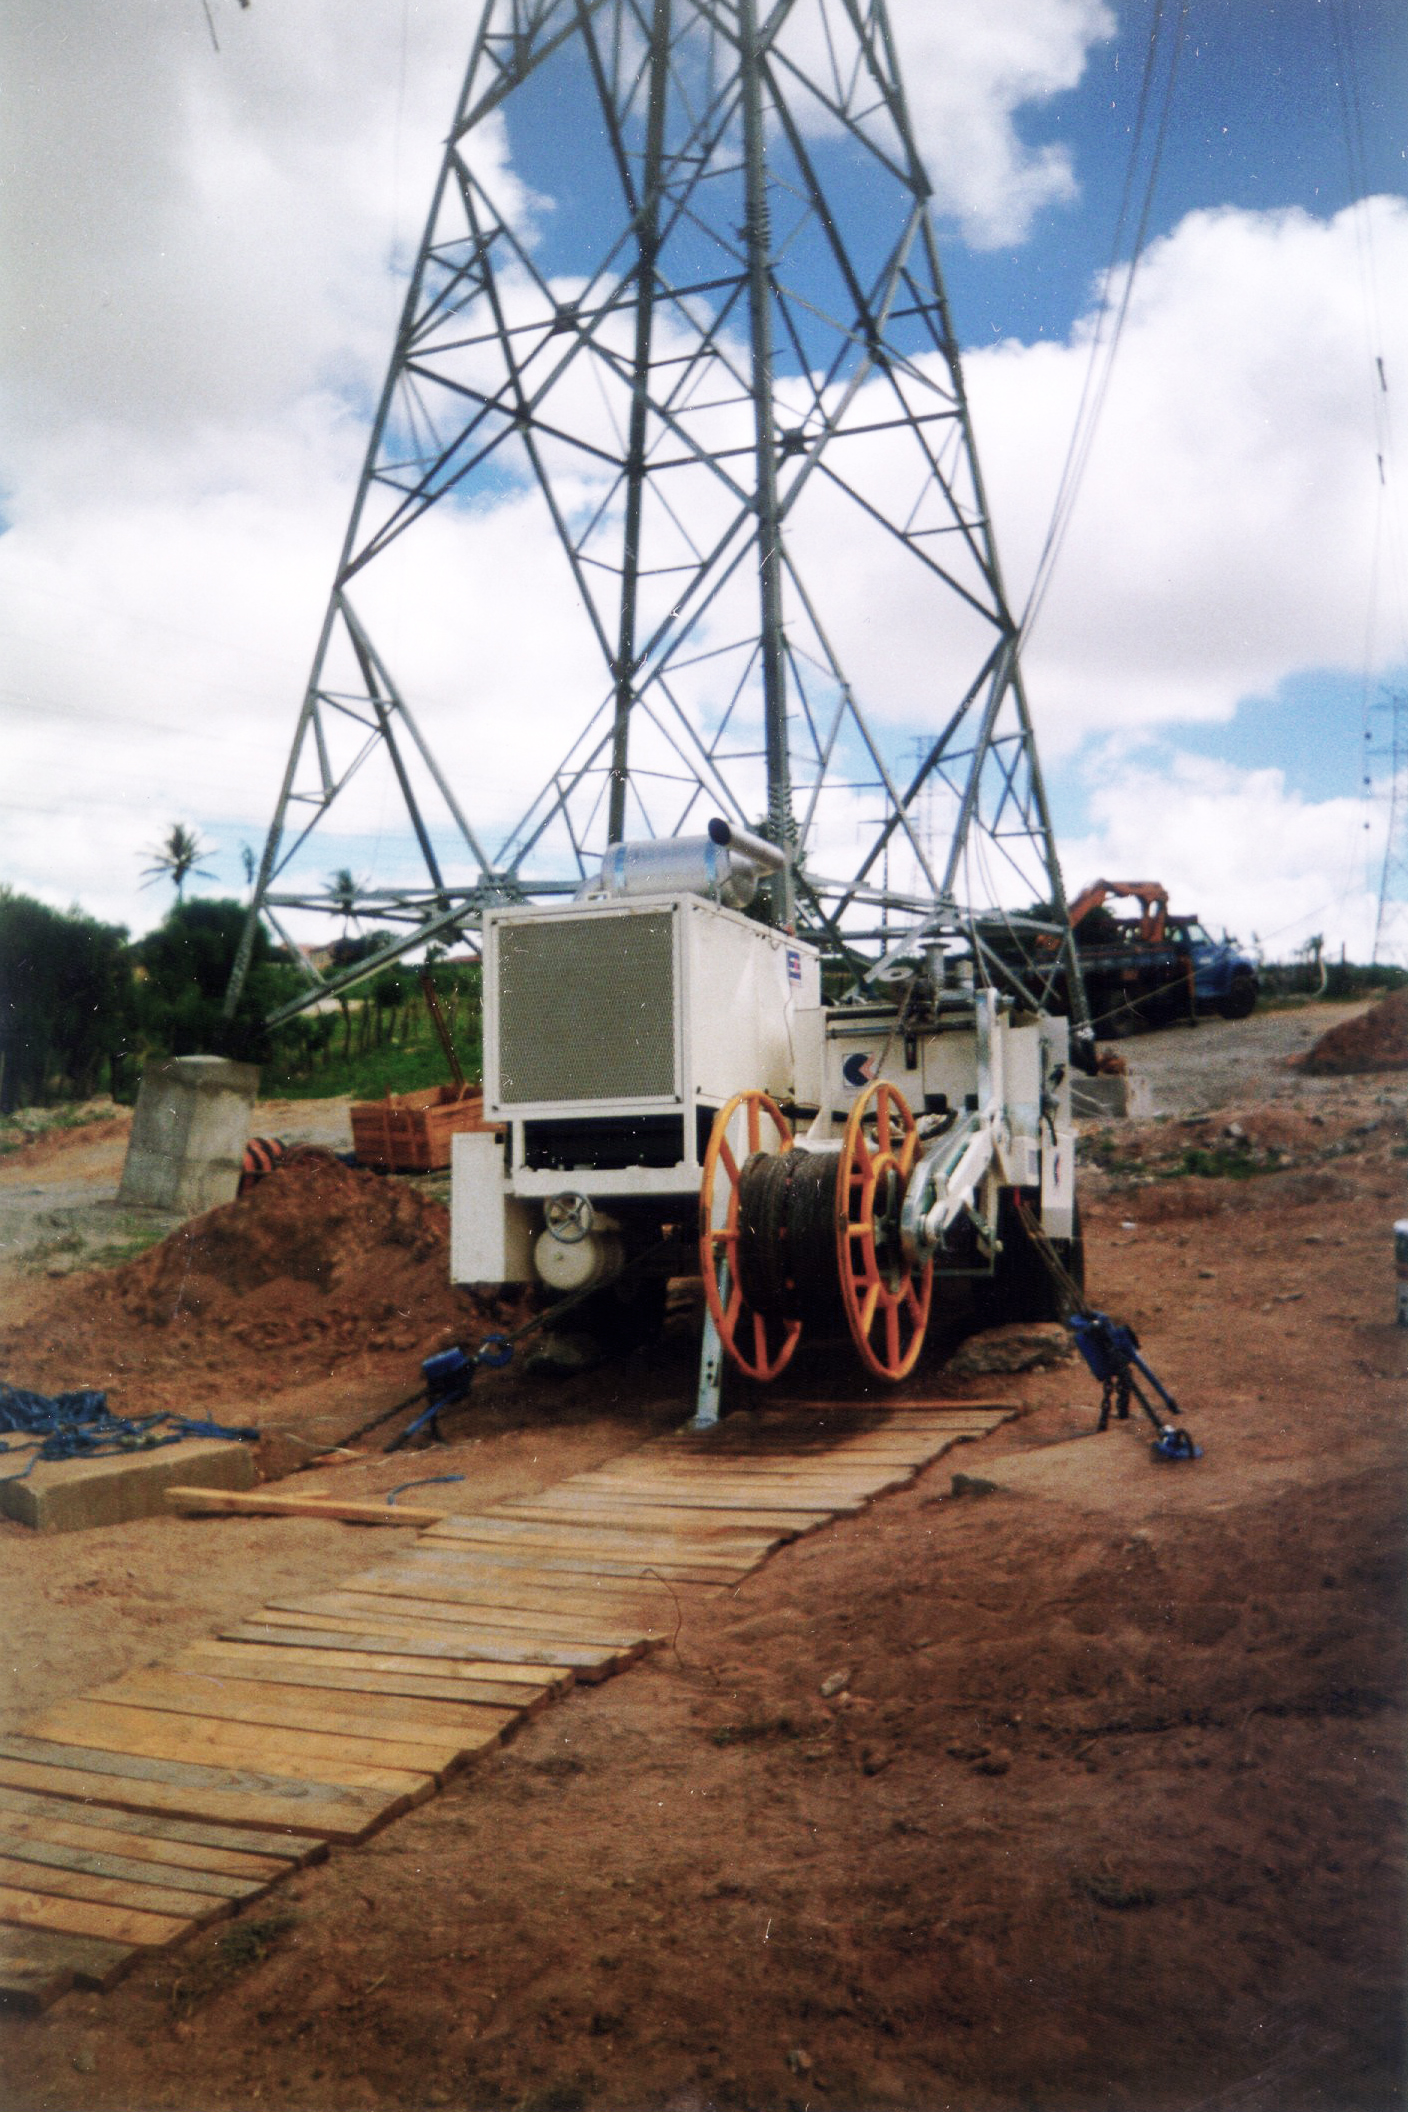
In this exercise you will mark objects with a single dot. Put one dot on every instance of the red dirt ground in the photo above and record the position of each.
(1108, 1813)
(1377, 1040)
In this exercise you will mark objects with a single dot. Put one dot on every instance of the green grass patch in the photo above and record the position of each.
(369, 1077)
(246, 1944)
(756, 1730)
(1221, 1163)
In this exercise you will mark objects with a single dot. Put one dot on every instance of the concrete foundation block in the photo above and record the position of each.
(189, 1133)
(1110, 1099)
(67, 1495)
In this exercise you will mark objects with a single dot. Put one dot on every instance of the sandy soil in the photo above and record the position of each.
(1107, 1814)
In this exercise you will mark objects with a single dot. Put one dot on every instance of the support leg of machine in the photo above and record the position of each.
(711, 1377)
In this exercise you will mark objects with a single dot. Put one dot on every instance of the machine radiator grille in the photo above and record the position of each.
(587, 1009)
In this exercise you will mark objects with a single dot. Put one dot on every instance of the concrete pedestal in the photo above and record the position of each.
(1106, 1099)
(189, 1133)
(67, 1495)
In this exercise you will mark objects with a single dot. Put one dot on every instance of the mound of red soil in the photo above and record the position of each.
(317, 1263)
(1376, 1040)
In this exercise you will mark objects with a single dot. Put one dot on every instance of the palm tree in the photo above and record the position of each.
(343, 891)
(177, 857)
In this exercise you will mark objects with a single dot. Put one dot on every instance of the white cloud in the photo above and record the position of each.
(969, 69)
(1224, 533)
(1237, 847)
(201, 304)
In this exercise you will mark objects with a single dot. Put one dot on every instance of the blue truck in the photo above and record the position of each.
(1156, 969)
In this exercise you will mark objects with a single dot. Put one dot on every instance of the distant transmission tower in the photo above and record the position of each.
(676, 333)
(1391, 923)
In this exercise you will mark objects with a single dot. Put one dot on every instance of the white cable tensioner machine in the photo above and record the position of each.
(658, 1062)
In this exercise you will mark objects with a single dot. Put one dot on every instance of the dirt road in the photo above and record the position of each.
(1106, 1813)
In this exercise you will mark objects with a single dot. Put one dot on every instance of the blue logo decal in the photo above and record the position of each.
(858, 1070)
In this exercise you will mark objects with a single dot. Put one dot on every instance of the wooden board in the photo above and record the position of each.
(665, 1510)
(311, 1756)
(800, 1507)
(518, 1585)
(300, 1709)
(393, 1654)
(187, 1693)
(585, 1513)
(489, 1645)
(543, 1562)
(366, 1675)
(521, 1535)
(235, 1503)
(39, 1965)
(440, 1597)
(230, 1795)
(32, 1841)
(86, 1917)
(22, 1873)
(456, 1612)
(179, 1841)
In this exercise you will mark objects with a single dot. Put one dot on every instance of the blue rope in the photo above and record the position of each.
(429, 1482)
(80, 1425)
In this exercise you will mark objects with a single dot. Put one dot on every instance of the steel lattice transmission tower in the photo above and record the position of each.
(1391, 922)
(709, 396)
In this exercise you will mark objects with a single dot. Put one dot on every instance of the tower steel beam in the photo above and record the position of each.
(676, 338)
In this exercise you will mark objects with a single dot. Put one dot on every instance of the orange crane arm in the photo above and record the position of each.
(1151, 895)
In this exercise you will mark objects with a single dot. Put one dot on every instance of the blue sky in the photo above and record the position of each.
(204, 246)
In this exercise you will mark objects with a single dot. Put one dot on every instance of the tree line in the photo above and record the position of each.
(83, 1007)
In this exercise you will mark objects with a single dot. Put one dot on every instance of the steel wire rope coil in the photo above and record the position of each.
(787, 1242)
(759, 1340)
(886, 1302)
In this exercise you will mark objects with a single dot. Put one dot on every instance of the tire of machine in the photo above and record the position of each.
(1021, 1287)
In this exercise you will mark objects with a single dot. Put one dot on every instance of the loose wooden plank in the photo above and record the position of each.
(466, 1730)
(521, 1535)
(236, 1503)
(180, 1841)
(622, 1598)
(304, 1645)
(690, 1514)
(888, 1406)
(107, 1727)
(800, 1508)
(86, 1917)
(23, 1873)
(786, 1491)
(543, 1562)
(367, 1675)
(492, 1646)
(228, 1795)
(451, 1601)
(38, 1965)
(554, 1627)
(30, 1841)
(821, 1482)
(586, 1513)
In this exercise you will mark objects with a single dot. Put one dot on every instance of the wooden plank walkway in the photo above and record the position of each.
(148, 1807)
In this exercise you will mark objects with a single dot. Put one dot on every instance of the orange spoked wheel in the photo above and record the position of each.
(759, 1343)
(887, 1302)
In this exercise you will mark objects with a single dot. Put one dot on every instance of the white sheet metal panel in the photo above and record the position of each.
(491, 1232)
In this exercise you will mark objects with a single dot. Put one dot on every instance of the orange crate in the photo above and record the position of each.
(411, 1132)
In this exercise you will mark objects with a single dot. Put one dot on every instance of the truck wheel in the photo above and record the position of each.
(1240, 1001)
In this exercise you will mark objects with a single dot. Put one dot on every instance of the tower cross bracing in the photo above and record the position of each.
(671, 506)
